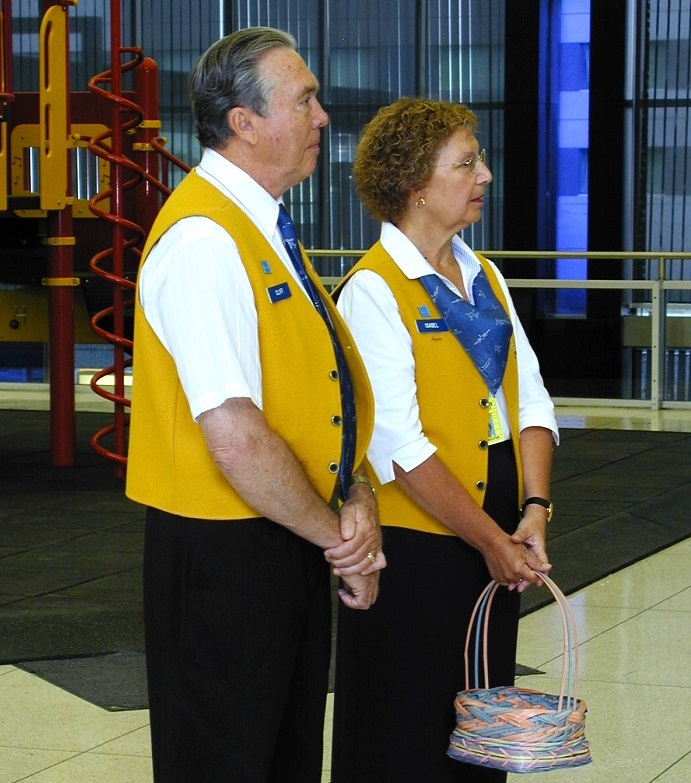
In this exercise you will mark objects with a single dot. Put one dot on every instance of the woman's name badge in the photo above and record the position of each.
(278, 292)
(495, 434)
(433, 325)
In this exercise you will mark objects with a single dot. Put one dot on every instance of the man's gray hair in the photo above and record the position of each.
(227, 75)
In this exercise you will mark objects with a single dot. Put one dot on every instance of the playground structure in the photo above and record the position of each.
(82, 177)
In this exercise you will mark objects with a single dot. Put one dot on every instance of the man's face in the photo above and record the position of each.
(289, 133)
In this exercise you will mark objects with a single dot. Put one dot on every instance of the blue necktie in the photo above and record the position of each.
(484, 330)
(345, 470)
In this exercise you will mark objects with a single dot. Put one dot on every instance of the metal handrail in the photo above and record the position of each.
(657, 287)
(633, 255)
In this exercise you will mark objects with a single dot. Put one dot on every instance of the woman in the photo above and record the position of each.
(461, 442)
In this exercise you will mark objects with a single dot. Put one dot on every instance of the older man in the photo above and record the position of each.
(251, 414)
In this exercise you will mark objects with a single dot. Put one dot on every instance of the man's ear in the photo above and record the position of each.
(241, 123)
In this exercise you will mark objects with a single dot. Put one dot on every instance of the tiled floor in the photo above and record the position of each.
(635, 633)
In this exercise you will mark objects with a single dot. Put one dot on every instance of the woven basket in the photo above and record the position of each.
(517, 729)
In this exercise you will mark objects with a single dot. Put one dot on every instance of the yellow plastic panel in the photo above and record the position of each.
(24, 317)
(25, 140)
(53, 95)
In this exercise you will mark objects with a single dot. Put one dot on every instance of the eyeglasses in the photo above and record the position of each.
(471, 165)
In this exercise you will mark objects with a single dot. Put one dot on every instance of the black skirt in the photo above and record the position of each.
(400, 664)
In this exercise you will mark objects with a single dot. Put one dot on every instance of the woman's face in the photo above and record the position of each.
(454, 194)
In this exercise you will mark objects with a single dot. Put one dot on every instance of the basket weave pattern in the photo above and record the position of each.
(518, 729)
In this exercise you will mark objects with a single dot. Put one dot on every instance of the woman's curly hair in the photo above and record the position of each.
(398, 148)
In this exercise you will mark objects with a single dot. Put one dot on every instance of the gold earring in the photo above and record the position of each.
(420, 203)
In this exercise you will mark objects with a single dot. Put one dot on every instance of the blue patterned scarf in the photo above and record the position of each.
(484, 330)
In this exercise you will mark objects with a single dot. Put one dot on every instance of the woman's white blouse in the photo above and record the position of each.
(368, 306)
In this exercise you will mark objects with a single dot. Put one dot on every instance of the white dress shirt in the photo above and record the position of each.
(198, 300)
(369, 308)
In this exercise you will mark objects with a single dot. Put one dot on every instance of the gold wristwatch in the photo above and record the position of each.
(539, 502)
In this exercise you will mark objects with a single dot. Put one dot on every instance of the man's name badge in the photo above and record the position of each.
(279, 292)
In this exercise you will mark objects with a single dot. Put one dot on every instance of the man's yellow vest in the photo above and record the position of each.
(452, 396)
(169, 466)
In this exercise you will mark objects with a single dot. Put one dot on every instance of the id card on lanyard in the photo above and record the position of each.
(495, 434)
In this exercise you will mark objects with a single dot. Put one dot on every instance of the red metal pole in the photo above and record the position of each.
(61, 341)
(6, 94)
(117, 209)
(6, 52)
(61, 311)
(146, 97)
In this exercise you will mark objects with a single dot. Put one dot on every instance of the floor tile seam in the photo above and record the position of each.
(71, 553)
(662, 610)
(639, 612)
(118, 754)
(670, 768)
(590, 639)
(46, 507)
(597, 477)
(59, 549)
(19, 663)
(71, 754)
(657, 522)
(588, 582)
(54, 546)
(627, 682)
(677, 538)
(598, 470)
(606, 463)
(50, 550)
(57, 594)
(617, 607)
(70, 758)
(669, 490)
(673, 595)
(637, 433)
(664, 552)
(96, 579)
(95, 752)
(601, 678)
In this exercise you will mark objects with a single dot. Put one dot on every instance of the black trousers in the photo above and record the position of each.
(238, 633)
(400, 664)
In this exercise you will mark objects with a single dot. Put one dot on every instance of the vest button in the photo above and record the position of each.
(336, 421)
(333, 375)
(484, 403)
(480, 485)
(333, 467)
(482, 444)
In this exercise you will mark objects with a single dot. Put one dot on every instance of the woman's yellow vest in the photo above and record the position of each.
(452, 396)
(169, 466)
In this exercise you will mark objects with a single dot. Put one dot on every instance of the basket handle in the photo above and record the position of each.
(479, 620)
